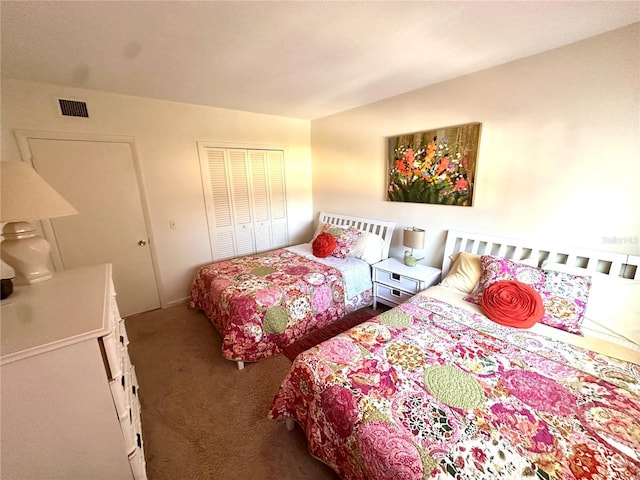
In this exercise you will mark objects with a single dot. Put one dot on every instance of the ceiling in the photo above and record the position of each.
(303, 59)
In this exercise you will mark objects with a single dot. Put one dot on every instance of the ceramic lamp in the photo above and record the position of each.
(412, 238)
(26, 196)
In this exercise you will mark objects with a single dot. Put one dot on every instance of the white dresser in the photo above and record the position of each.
(69, 399)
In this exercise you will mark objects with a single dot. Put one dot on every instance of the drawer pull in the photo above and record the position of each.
(395, 292)
(395, 276)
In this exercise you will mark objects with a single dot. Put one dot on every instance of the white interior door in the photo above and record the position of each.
(100, 181)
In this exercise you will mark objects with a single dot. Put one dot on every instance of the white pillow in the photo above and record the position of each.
(614, 302)
(530, 261)
(464, 272)
(318, 231)
(369, 247)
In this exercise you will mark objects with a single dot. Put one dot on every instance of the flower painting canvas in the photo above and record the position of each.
(435, 166)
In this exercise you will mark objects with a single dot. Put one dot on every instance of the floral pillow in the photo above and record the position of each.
(496, 269)
(564, 297)
(345, 238)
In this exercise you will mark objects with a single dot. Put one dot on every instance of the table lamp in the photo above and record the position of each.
(412, 238)
(26, 196)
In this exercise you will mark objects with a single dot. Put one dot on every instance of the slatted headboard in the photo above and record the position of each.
(380, 227)
(609, 263)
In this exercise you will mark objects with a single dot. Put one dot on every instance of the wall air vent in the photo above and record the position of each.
(73, 108)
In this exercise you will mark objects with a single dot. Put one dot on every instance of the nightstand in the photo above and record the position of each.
(394, 282)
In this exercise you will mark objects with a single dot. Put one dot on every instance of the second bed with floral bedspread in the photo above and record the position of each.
(262, 303)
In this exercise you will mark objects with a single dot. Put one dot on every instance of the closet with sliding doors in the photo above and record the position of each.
(245, 196)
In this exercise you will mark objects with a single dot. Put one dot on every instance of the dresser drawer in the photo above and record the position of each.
(136, 459)
(390, 294)
(113, 353)
(398, 280)
(129, 433)
(115, 311)
(123, 338)
(122, 388)
(120, 394)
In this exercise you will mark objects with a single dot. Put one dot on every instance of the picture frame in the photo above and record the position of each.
(436, 166)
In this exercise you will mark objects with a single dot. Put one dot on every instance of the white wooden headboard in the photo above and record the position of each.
(609, 263)
(380, 227)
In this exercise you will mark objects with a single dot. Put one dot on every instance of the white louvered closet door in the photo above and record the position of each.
(242, 201)
(218, 202)
(260, 194)
(277, 199)
(245, 200)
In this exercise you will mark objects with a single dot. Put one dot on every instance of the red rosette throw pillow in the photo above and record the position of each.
(323, 245)
(512, 303)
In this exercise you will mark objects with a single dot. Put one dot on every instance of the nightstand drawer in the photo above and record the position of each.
(390, 294)
(398, 280)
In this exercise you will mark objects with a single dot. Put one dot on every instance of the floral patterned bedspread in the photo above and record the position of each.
(262, 303)
(430, 390)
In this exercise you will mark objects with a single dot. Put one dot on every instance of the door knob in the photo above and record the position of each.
(142, 243)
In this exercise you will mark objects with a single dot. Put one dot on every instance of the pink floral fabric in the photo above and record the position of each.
(430, 390)
(496, 269)
(346, 238)
(565, 297)
(263, 303)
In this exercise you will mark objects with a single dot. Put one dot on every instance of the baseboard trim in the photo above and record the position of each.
(175, 303)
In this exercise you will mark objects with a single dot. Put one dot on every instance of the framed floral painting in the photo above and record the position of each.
(435, 166)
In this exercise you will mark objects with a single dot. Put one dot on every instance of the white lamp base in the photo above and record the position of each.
(26, 252)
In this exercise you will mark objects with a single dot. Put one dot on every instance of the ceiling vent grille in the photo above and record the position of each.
(73, 108)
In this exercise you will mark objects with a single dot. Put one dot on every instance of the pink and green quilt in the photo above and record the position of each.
(262, 303)
(428, 390)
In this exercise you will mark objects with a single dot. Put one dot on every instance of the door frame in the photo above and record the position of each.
(23, 137)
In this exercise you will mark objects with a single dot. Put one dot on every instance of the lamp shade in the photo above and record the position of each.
(27, 196)
(413, 238)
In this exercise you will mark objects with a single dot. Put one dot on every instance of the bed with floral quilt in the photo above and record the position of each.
(262, 303)
(434, 388)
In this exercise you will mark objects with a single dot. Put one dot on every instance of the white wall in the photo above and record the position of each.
(559, 155)
(166, 136)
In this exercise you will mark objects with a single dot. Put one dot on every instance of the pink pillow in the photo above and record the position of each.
(346, 238)
(564, 297)
(495, 269)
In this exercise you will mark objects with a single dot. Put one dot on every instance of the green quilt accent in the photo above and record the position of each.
(275, 320)
(428, 462)
(454, 387)
(262, 271)
(363, 351)
(395, 318)
(371, 414)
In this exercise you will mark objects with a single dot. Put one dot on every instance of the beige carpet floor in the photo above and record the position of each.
(202, 418)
